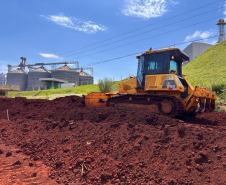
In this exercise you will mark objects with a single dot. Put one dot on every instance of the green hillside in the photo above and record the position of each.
(55, 93)
(209, 68)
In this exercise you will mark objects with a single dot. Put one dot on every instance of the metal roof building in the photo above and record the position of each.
(195, 49)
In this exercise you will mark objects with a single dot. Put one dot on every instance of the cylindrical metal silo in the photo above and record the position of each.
(2, 78)
(85, 79)
(33, 83)
(66, 73)
(18, 77)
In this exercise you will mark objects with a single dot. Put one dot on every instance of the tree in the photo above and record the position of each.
(105, 85)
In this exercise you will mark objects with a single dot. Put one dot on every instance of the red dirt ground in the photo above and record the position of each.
(84, 145)
(17, 168)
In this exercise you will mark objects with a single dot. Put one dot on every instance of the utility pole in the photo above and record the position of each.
(221, 24)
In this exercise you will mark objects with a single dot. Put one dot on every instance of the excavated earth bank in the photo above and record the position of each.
(84, 145)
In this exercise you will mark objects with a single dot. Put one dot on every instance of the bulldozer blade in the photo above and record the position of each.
(95, 99)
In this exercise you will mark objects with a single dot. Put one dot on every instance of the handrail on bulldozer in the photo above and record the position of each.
(129, 77)
(186, 75)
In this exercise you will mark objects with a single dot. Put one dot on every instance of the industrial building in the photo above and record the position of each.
(33, 82)
(55, 83)
(38, 77)
(195, 49)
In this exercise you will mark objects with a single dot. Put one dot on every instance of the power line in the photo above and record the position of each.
(144, 51)
(147, 38)
(141, 33)
(138, 28)
(135, 36)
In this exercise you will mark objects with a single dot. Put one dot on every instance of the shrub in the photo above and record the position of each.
(105, 85)
(219, 87)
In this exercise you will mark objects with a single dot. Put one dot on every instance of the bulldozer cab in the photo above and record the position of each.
(165, 61)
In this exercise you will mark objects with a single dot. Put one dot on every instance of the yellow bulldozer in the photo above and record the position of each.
(159, 86)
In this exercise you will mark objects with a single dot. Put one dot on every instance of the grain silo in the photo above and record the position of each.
(66, 73)
(2, 78)
(33, 83)
(84, 78)
(18, 77)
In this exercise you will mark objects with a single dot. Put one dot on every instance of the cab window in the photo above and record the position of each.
(151, 63)
(173, 65)
(156, 62)
(140, 66)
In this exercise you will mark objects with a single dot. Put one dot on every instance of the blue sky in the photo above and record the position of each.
(46, 30)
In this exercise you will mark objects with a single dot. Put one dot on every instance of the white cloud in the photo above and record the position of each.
(210, 41)
(76, 24)
(213, 42)
(146, 9)
(46, 55)
(200, 35)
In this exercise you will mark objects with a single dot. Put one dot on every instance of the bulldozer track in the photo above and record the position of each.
(147, 99)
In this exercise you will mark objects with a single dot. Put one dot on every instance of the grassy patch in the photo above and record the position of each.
(55, 93)
(85, 89)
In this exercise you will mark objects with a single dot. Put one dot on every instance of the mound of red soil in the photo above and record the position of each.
(110, 146)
